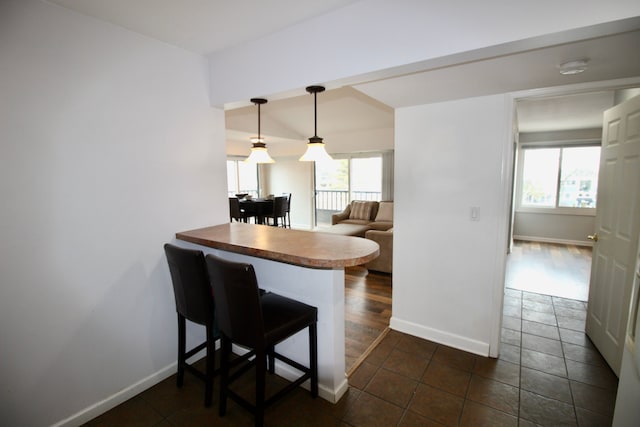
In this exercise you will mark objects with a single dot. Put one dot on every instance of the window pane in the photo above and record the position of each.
(366, 178)
(248, 176)
(332, 175)
(332, 187)
(540, 177)
(579, 177)
(242, 178)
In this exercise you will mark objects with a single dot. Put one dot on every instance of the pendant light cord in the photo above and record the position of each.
(315, 114)
(258, 121)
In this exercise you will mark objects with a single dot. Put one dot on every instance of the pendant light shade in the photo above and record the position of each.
(316, 151)
(259, 153)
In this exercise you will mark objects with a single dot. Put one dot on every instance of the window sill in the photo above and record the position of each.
(558, 211)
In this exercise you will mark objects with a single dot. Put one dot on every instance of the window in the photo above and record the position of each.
(366, 178)
(242, 178)
(354, 177)
(564, 177)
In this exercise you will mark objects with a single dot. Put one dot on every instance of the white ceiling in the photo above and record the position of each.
(204, 26)
(340, 111)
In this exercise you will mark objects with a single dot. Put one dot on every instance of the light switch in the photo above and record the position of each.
(475, 213)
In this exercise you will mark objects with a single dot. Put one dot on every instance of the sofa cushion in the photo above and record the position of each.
(385, 212)
(361, 210)
(356, 221)
(381, 225)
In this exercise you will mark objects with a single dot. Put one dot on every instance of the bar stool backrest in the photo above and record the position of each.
(237, 301)
(190, 281)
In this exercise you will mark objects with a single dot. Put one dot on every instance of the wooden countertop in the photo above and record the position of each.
(298, 247)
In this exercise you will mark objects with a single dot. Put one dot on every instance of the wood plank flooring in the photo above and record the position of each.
(550, 269)
(367, 312)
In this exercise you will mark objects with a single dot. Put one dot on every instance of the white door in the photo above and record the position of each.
(617, 228)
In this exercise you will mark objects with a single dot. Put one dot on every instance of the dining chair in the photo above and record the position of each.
(279, 211)
(288, 211)
(257, 323)
(235, 212)
(194, 302)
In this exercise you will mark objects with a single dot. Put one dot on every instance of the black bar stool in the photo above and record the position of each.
(259, 323)
(194, 301)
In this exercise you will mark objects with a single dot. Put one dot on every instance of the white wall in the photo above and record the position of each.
(554, 228)
(288, 175)
(449, 270)
(109, 146)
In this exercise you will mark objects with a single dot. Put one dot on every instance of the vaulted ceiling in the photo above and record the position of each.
(205, 26)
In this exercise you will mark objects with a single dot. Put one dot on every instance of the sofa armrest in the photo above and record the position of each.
(384, 239)
(341, 216)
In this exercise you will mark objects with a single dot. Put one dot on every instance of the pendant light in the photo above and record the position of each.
(316, 151)
(259, 153)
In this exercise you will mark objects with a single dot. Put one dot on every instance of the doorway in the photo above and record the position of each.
(550, 269)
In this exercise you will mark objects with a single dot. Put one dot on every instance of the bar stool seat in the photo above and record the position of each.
(258, 323)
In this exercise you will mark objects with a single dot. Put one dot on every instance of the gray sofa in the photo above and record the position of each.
(373, 215)
(371, 220)
(384, 262)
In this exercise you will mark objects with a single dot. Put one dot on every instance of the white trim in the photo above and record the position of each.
(552, 240)
(577, 88)
(292, 374)
(507, 174)
(99, 408)
(440, 337)
(556, 211)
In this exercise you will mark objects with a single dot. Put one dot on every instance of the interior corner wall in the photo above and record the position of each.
(109, 146)
(448, 267)
(288, 175)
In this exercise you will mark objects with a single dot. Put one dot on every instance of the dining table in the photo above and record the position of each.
(259, 208)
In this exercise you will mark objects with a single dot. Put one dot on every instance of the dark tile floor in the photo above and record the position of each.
(548, 374)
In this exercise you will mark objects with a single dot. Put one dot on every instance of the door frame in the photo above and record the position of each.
(500, 268)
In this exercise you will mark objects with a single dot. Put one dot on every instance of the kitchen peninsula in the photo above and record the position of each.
(302, 265)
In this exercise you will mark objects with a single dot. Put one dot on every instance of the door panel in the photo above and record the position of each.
(618, 227)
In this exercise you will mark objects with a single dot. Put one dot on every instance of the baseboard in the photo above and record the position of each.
(440, 337)
(114, 400)
(99, 408)
(553, 240)
(291, 374)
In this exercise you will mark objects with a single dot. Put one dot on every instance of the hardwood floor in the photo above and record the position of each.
(367, 312)
(550, 269)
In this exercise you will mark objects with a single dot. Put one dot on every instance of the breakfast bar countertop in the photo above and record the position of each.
(299, 247)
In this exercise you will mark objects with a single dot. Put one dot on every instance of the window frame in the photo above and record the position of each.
(238, 159)
(557, 210)
(360, 155)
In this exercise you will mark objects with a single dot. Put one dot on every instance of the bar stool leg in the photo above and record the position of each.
(261, 369)
(225, 345)
(271, 366)
(181, 350)
(210, 367)
(313, 358)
